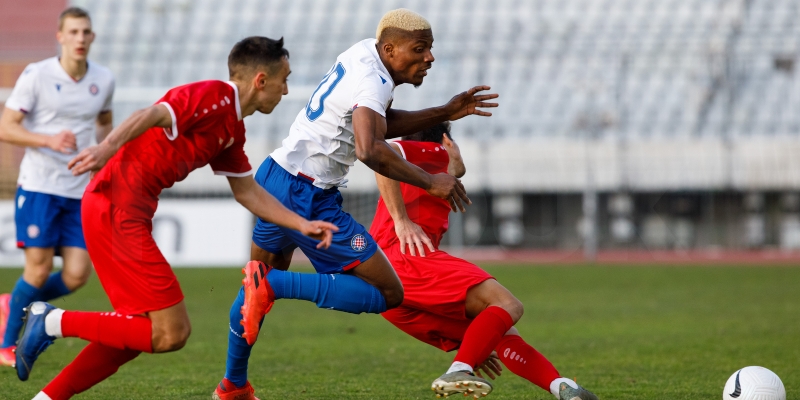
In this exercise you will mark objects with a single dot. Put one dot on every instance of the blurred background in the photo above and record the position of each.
(628, 130)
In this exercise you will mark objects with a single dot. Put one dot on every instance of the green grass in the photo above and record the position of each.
(624, 332)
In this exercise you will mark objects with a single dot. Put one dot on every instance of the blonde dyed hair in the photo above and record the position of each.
(404, 19)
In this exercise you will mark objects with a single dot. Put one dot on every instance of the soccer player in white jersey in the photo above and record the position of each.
(348, 117)
(58, 107)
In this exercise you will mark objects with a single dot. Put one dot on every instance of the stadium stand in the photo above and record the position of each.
(617, 96)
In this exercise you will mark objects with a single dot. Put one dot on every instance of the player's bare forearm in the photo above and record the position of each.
(12, 131)
(372, 150)
(105, 124)
(95, 157)
(262, 204)
(259, 202)
(139, 122)
(401, 122)
(393, 197)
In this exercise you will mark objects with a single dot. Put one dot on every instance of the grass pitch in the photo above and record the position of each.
(624, 332)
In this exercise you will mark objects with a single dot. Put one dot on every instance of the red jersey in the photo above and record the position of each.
(429, 212)
(207, 128)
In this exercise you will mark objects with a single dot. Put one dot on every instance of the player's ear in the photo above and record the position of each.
(260, 80)
(388, 48)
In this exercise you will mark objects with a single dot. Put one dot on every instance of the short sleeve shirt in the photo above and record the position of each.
(321, 141)
(53, 102)
(207, 129)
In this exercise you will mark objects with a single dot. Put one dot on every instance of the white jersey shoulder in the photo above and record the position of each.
(321, 142)
(53, 102)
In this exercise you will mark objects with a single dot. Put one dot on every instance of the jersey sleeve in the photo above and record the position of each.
(232, 162)
(373, 92)
(110, 98)
(182, 103)
(23, 97)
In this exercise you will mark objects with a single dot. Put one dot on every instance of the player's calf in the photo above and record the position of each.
(378, 272)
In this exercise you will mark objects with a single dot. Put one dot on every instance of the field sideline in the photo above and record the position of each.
(632, 332)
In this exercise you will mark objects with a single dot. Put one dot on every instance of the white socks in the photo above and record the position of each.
(42, 396)
(557, 382)
(459, 366)
(52, 325)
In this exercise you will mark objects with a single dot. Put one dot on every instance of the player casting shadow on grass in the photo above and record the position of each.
(57, 106)
(191, 126)
(348, 117)
(451, 303)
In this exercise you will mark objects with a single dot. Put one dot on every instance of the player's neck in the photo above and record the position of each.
(246, 98)
(76, 69)
(395, 78)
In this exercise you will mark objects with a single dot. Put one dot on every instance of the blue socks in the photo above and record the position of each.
(238, 350)
(337, 292)
(53, 288)
(332, 291)
(23, 294)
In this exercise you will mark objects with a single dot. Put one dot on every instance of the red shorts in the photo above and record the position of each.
(133, 272)
(435, 286)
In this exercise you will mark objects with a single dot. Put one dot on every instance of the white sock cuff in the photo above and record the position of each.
(557, 382)
(52, 323)
(42, 396)
(459, 366)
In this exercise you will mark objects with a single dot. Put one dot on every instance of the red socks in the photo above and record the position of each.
(483, 335)
(123, 332)
(94, 364)
(523, 360)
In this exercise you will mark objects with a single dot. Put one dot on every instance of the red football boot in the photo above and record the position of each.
(227, 391)
(258, 298)
(7, 357)
(5, 299)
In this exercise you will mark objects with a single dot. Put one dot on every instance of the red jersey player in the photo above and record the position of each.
(191, 126)
(450, 303)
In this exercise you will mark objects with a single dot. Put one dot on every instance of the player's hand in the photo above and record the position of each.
(91, 159)
(448, 187)
(491, 367)
(320, 230)
(63, 142)
(469, 102)
(412, 235)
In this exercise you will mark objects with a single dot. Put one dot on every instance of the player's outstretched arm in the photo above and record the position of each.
(12, 131)
(105, 123)
(259, 202)
(369, 128)
(407, 231)
(401, 123)
(95, 157)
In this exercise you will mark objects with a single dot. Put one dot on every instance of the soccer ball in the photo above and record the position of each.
(754, 383)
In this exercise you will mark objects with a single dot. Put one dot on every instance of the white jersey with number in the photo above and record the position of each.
(321, 143)
(53, 102)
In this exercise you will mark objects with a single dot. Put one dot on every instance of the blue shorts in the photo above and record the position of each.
(351, 246)
(46, 220)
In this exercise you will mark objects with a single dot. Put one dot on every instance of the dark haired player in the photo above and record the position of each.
(190, 127)
(348, 117)
(451, 303)
(58, 106)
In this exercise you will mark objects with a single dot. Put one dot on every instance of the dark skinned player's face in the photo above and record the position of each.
(410, 57)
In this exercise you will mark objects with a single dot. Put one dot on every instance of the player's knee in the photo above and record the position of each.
(73, 280)
(393, 296)
(514, 308)
(171, 339)
(37, 273)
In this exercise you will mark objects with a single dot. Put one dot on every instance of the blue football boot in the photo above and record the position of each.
(34, 338)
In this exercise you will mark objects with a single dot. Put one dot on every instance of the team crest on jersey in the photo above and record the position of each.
(358, 242)
(33, 231)
(93, 89)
